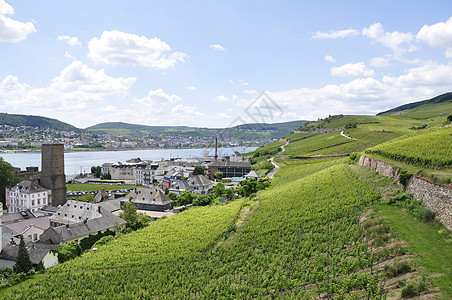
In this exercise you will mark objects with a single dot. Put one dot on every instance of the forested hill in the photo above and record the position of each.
(34, 121)
(253, 130)
(441, 99)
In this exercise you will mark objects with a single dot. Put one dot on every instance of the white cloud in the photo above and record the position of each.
(379, 62)
(191, 88)
(352, 70)
(329, 58)
(438, 35)
(367, 95)
(83, 78)
(391, 40)
(335, 34)
(221, 98)
(75, 92)
(10, 30)
(217, 47)
(155, 101)
(73, 41)
(250, 92)
(119, 48)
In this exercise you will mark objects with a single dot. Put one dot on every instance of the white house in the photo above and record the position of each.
(27, 194)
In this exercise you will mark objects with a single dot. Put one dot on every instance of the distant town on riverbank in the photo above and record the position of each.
(28, 133)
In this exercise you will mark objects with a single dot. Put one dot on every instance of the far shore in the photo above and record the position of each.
(121, 149)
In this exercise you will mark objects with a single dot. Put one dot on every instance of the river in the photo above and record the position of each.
(76, 162)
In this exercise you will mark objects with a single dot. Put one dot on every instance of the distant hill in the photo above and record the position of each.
(423, 109)
(248, 131)
(34, 121)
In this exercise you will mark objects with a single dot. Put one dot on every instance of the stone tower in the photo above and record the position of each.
(53, 177)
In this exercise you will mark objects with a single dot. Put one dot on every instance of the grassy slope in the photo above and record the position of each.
(433, 250)
(81, 187)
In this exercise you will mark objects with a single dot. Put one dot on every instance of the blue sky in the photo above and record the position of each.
(205, 63)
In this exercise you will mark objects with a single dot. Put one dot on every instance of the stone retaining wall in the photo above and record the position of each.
(380, 167)
(435, 196)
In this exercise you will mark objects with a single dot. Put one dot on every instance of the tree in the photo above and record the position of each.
(172, 196)
(106, 176)
(219, 189)
(199, 170)
(185, 197)
(248, 187)
(23, 262)
(129, 213)
(97, 171)
(6, 177)
(68, 251)
(203, 200)
(134, 221)
(219, 175)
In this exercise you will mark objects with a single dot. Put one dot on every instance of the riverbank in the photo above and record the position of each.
(77, 162)
(117, 150)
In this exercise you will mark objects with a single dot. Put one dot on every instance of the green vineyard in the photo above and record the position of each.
(302, 239)
(426, 149)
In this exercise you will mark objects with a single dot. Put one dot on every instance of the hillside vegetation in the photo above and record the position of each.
(244, 131)
(34, 121)
(425, 149)
(324, 229)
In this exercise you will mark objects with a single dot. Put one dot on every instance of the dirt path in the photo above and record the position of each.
(272, 172)
(346, 136)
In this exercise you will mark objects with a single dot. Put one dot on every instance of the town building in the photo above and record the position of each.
(229, 169)
(76, 220)
(152, 198)
(75, 212)
(31, 229)
(200, 184)
(26, 195)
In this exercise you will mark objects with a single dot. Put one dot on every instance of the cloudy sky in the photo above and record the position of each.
(206, 63)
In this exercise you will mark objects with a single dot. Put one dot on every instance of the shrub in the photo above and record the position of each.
(409, 291)
(404, 177)
(354, 158)
(425, 214)
(68, 251)
(103, 241)
(398, 268)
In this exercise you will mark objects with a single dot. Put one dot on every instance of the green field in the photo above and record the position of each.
(82, 187)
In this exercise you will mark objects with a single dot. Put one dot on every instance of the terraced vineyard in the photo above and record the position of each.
(302, 239)
(315, 142)
(363, 140)
(427, 149)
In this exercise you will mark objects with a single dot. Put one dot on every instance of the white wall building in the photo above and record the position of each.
(27, 194)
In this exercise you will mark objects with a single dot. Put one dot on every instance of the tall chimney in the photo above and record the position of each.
(216, 149)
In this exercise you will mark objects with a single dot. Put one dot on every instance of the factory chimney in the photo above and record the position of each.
(216, 149)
